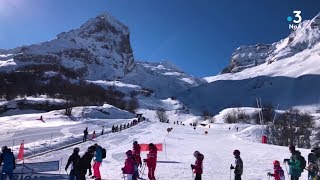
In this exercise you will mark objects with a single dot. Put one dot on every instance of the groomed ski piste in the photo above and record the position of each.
(178, 145)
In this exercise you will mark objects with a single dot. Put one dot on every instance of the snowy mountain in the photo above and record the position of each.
(100, 52)
(284, 73)
(163, 78)
(99, 49)
(306, 36)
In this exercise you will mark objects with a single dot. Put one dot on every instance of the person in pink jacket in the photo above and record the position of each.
(151, 161)
(128, 168)
(197, 167)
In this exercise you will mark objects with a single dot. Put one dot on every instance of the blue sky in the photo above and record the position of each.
(198, 36)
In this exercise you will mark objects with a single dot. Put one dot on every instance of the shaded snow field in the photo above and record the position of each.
(217, 147)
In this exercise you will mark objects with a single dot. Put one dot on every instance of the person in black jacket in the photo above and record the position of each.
(74, 159)
(8, 160)
(85, 134)
(85, 163)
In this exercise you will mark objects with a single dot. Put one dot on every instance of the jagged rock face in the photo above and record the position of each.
(99, 49)
(306, 36)
(248, 56)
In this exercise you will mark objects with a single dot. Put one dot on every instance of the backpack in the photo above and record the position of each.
(104, 153)
(303, 162)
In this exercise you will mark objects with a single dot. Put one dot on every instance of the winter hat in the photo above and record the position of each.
(129, 153)
(236, 152)
(292, 147)
(276, 163)
(135, 142)
(76, 150)
(4, 148)
(196, 153)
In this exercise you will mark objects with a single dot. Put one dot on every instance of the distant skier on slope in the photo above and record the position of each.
(94, 135)
(197, 167)
(295, 163)
(238, 169)
(8, 160)
(128, 168)
(85, 134)
(278, 173)
(74, 159)
(151, 161)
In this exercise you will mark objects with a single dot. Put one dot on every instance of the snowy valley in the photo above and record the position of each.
(98, 57)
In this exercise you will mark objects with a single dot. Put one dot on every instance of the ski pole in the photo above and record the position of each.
(230, 174)
(285, 165)
(192, 174)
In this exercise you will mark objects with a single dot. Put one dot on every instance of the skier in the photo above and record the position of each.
(237, 129)
(113, 129)
(85, 163)
(93, 135)
(136, 152)
(85, 134)
(97, 162)
(128, 168)
(312, 163)
(102, 131)
(74, 159)
(238, 170)
(278, 173)
(295, 163)
(8, 160)
(151, 161)
(197, 167)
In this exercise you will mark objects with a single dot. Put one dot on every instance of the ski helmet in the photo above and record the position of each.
(236, 152)
(135, 142)
(196, 153)
(129, 153)
(276, 163)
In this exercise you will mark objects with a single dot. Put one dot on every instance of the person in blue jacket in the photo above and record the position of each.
(97, 162)
(8, 160)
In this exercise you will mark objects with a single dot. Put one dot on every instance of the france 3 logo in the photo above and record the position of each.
(294, 22)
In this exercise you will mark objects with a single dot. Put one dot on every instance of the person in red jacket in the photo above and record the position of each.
(151, 161)
(128, 168)
(197, 167)
(278, 173)
(136, 153)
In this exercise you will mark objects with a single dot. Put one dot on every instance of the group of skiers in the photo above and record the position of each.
(133, 162)
(297, 164)
(82, 165)
(121, 127)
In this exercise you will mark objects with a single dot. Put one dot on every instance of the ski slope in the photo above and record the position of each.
(217, 147)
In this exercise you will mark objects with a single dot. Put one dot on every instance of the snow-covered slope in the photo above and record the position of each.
(285, 73)
(163, 78)
(99, 49)
(305, 37)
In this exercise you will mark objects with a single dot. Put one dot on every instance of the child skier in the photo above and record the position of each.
(238, 170)
(128, 168)
(278, 173)
(197, 167)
